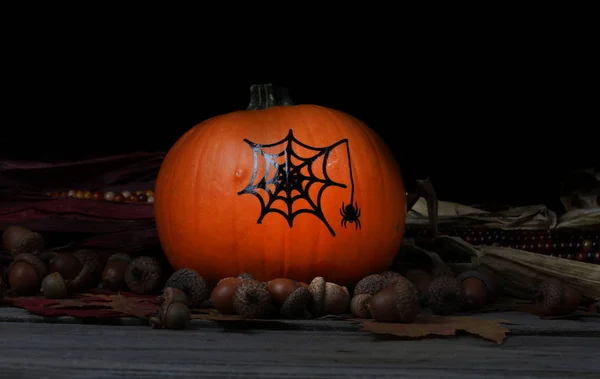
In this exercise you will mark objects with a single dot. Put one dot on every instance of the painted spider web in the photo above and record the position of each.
(289, 182)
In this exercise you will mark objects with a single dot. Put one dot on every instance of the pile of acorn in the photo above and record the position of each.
(385, 297)
(139, 196)
(394, 297)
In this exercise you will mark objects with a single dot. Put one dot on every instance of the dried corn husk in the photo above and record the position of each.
(520, 271)
(523, 270)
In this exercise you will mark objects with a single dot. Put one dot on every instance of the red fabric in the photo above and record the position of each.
(77, 306)
(102, 225)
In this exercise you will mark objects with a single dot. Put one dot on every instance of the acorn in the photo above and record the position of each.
(479, 289)
(90, 271)
(190, 282)
(390, 275)
(370, 285)
(221, 296)
(446, 295)
(359, 305)
(327, 298)
(556, 298)
(291, 297)
(173, 295)
(66, 264)
(25, 274)
(18, 240)
(252, 299)
(173, 312)
(396, 303)
(422, 280)
(245, 275)
(143, 275)
(113, 275)
(441, 270)
(54, 286)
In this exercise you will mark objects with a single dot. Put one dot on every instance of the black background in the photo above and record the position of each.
(489, 121)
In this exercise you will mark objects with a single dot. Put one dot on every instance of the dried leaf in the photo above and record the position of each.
(425, 326)
(127, 305)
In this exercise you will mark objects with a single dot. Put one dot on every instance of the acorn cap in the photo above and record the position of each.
(190, 282)
(33, 261)
(91, 269)
(370, 285)
(296, 303)
(556, 298)
(441, 270)
(143, 275)
(446, 295)
(120, 257)
(18, 240)
(172, 295)
(359, 305)
(317, 292)
(252, 299)
(389, 275)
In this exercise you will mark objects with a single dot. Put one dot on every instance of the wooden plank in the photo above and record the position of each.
(521, 323)
(98, 351)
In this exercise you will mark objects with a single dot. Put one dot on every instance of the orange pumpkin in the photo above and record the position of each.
(280, 190)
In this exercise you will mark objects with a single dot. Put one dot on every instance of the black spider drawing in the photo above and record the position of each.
(289, 183)
(350, 214)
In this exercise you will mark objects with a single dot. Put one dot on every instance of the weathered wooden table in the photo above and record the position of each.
(34, 347)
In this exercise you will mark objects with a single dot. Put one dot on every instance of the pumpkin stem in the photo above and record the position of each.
(263, 96)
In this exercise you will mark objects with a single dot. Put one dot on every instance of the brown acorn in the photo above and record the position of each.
(446, 295)
(556, 298)
(291, 297)
(18, 240)
(25, 274)
(327, 298)
(422, 280)
(90, 271)
(370, 285)
(173, 312)
(252, 299)
(143, 275)
(190, 282)
(221, 296)
(54, 286)
(66, 264)
(113, 275)
(389, 276)
(396, 303)
(479, 288)
(173, 295)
